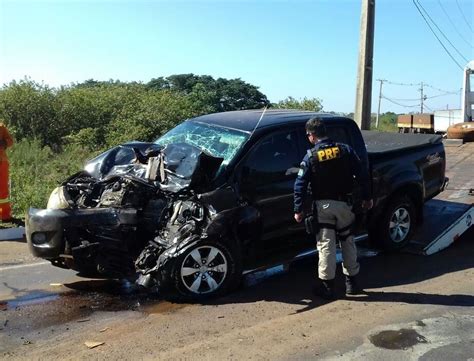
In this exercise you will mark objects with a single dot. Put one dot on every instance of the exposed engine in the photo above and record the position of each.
(134, 217)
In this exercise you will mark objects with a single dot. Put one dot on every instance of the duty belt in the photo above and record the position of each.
(345, 198)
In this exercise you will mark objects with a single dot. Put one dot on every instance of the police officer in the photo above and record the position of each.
(331, 169)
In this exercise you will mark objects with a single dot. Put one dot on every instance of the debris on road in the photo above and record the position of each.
(93, 344)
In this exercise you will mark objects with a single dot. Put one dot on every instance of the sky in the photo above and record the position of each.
(286, 48)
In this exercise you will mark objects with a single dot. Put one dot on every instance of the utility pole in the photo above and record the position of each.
(422, 98)
(380, 99)
(362, 112)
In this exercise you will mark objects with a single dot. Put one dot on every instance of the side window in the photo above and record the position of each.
(305, 141)
(339, 134)
(270, 160)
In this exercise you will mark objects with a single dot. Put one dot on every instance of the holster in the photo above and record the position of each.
(311, 222)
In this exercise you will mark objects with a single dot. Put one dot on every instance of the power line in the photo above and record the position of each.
(427, 107)
(454, 25)
(401, 84)
(440, 95)
(443, 91)
(427, 23)
(418, 84)
(442, 33)
(418, 99)
(406, 100)
(443, 116)
(460, 10)
(401, 105)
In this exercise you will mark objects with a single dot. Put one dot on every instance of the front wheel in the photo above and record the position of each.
(206, 270)
(397, 223)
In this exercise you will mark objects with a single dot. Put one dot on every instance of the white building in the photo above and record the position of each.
(468, 94)
(444, 118)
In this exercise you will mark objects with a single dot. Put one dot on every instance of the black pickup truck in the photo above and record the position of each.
(213, 197)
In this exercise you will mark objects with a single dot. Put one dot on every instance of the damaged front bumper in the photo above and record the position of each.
(54, 234)
(111, 242)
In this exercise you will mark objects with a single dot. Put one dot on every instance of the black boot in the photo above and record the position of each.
(325, 289)
(352, 286)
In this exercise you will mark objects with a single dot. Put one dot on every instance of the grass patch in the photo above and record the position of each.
(35, 171)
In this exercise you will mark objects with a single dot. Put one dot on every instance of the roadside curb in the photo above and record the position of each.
(13, 234)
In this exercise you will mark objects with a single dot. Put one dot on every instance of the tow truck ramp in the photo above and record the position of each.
(452, 233)
(451, 213)
(444, 222)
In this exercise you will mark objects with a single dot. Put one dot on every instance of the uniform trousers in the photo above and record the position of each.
(335, 220)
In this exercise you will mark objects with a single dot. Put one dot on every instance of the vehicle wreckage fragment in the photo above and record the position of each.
(123, 217)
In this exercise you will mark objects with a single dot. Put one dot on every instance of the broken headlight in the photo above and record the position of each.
(59, 199)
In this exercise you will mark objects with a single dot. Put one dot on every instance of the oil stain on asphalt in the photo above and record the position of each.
(397, 339)
(39, 309)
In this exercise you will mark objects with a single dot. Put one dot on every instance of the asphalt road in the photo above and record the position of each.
(415, 307)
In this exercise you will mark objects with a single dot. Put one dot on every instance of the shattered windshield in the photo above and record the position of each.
(217, 141)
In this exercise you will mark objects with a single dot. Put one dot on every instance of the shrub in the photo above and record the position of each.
(36, 170)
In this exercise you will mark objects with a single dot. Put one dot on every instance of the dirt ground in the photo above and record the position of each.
(278, 318)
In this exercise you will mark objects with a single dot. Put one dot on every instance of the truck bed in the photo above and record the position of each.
(384, 142)
(450, 207)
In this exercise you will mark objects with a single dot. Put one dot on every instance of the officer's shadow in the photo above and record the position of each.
(377, 275)
(399, 269)
(415, 298)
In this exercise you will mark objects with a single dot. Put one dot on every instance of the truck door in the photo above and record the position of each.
(268, 176)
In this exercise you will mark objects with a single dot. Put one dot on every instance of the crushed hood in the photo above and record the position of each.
(184, 165)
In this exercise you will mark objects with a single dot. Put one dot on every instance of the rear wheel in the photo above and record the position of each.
(206, 270)
(397, 223)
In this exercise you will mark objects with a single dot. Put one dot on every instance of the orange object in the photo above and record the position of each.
(463, 131)
(5, 142)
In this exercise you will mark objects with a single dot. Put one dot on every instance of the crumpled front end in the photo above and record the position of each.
(185, 227)
(114, 220)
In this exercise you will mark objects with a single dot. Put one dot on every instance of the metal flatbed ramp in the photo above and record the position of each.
(444, 222)
(451, 213)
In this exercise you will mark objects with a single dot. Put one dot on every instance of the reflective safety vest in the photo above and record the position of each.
(6, 141)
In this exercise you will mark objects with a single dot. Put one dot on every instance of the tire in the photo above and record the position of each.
(197, 277)
(397, 223)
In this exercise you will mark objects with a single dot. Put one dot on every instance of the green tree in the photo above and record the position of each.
(150, 115)
(86, 112)
(29, 109)
(311, 104)
(219, 94)
(387, 122)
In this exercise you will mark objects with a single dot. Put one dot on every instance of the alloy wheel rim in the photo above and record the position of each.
(400, 224)
(204, 270)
